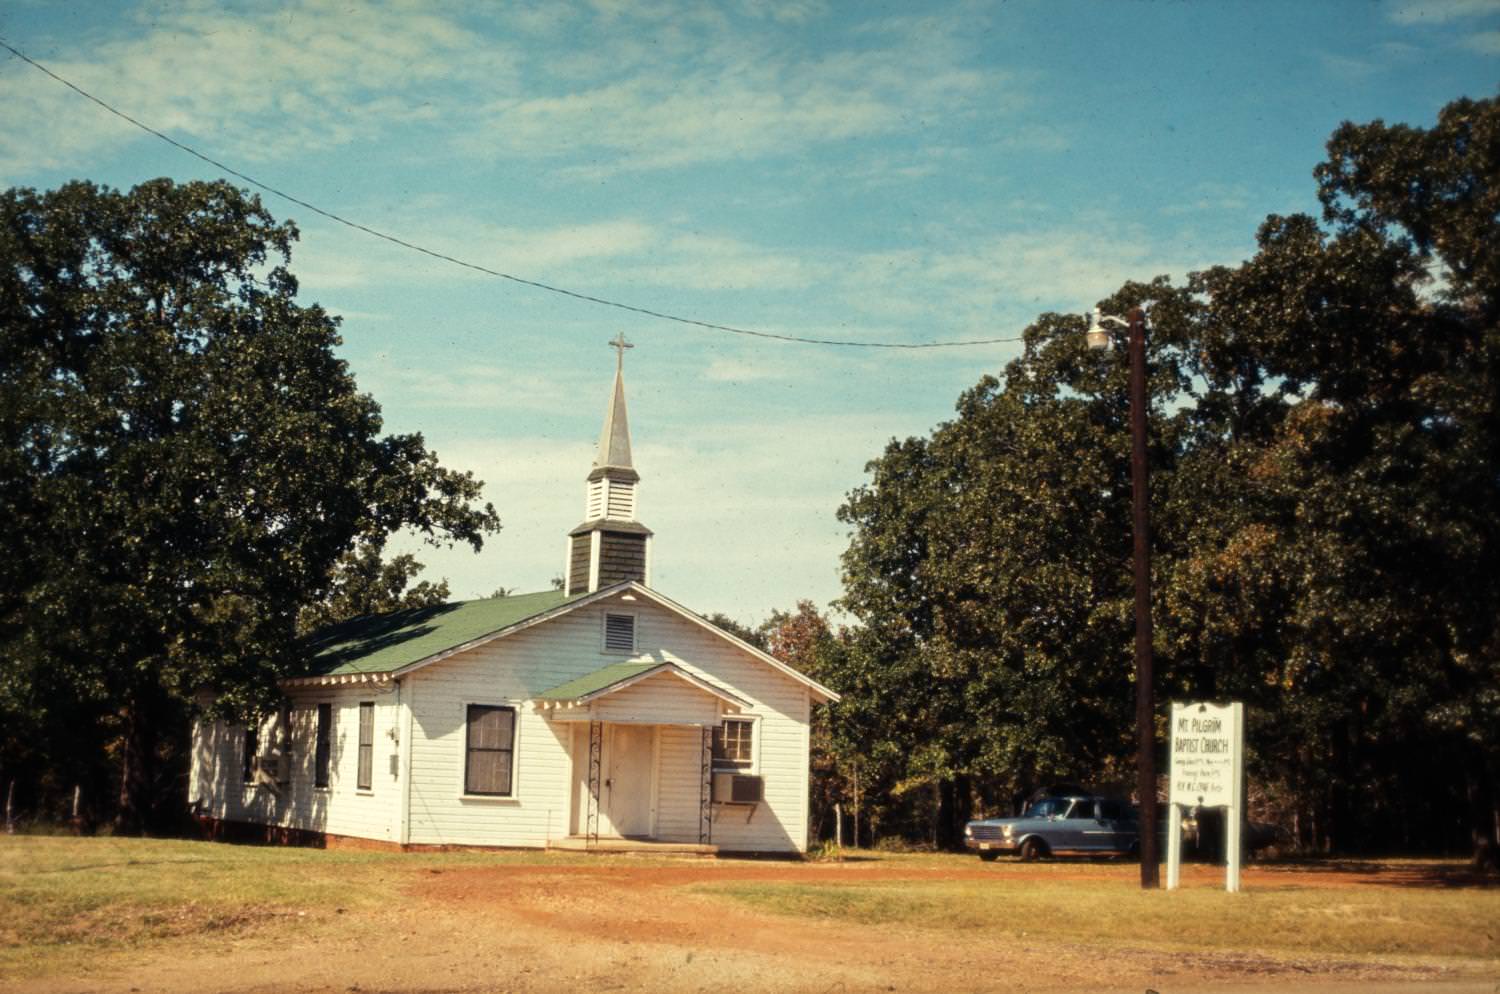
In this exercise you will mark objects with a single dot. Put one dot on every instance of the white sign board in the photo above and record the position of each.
(1205, 755)
(1208, 771)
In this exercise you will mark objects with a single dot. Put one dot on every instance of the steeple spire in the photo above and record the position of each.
(610, 545)
(614, 440)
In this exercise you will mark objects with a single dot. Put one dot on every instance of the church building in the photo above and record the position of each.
(604, 715)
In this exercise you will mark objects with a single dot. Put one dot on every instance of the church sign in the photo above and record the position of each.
(1203, 755)
(1207, 747)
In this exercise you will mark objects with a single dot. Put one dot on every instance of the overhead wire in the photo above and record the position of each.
(453, 260)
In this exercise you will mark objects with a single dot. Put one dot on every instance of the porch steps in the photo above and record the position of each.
(639, 847)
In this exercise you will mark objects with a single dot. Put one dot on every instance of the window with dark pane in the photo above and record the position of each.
(284, 767)
(733, 744)
(323, 752)
(366, 745)
(619, 632)
(252, 742)
(491, 745)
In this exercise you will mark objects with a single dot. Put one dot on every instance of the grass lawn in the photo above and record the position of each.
(60, 895)
(1041, 903)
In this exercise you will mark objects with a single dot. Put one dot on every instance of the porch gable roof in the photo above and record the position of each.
(617, 676)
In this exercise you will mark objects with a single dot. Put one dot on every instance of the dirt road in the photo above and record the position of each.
(614, 925)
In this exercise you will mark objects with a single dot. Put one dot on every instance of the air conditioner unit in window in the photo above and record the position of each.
(737, 788)
(271, 767)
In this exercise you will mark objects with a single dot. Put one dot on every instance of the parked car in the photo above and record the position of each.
(1054, 825)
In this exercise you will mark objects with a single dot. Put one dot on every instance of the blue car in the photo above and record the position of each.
(1055, 825)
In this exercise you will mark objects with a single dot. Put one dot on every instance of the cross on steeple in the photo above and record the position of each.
(619, 344)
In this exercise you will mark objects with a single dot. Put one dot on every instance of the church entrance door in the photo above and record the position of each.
(630, 783)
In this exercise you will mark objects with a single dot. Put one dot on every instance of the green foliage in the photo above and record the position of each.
(184, 461)
(364, 583)
(740, 631)
(1325, 481)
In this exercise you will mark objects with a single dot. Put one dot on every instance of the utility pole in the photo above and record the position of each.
(1145, 729)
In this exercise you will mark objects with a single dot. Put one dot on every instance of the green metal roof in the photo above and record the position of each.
(598, 680)
(382, 643)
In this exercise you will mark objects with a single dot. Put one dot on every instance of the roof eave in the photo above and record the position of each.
(823, 694)
(820, 693)
(669, 668)
(337, 680)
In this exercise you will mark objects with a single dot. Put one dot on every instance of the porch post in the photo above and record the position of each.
(706, 789)
(596, 749)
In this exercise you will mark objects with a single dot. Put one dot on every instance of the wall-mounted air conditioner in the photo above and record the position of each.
(737, 788)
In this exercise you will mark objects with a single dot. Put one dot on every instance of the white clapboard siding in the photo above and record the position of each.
(678, 784)
(511, 672)
(219, 791)
(508, 672)
(515, 669)
(781, 706)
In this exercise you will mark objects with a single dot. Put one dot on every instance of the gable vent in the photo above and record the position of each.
(619, 633)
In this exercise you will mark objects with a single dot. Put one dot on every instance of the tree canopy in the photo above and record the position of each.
(1325, 474)
(186, 461)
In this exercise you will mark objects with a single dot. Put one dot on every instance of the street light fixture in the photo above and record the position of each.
(1099, 337)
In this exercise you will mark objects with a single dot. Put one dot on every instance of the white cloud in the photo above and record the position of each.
(1211, 197)
(990, 286)
(333, 257)
(698, 99)
(1483, 42)
(722, 370)
(1348, 68)
(740, 506)
(1438, 11)
(262, 85)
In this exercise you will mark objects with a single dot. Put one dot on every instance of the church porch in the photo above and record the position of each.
(641, 743)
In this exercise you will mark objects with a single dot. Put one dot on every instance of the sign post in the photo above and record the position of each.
(1208, 771)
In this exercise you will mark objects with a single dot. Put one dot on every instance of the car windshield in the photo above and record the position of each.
(1051, 807)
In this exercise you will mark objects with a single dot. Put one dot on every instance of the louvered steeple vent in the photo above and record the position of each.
(610, 545)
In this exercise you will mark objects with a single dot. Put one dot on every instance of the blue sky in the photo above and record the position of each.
(884, 172)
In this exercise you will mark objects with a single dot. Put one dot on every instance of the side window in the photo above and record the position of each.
(366, 745)
(1111, 811)
(734, 744)
(489, 751)
(251, 743)
(1051, 807)
(284, 763)
(323, 751)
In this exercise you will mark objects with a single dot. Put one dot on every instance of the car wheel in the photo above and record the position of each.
(989, 857)
(1032, 850)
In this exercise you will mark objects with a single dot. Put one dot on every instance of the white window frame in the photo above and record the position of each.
(515, 753)
(285, 748)
(333, 726)
(635, 633)
(755, 728)
(359, 709)
(248, 773)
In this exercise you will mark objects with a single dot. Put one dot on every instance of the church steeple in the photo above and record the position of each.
(614, 440)
(610, 545)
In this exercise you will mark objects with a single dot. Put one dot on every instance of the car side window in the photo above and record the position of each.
(1081, 809)
(1110, 811)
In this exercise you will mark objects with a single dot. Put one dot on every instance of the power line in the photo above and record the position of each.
(576, 295)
